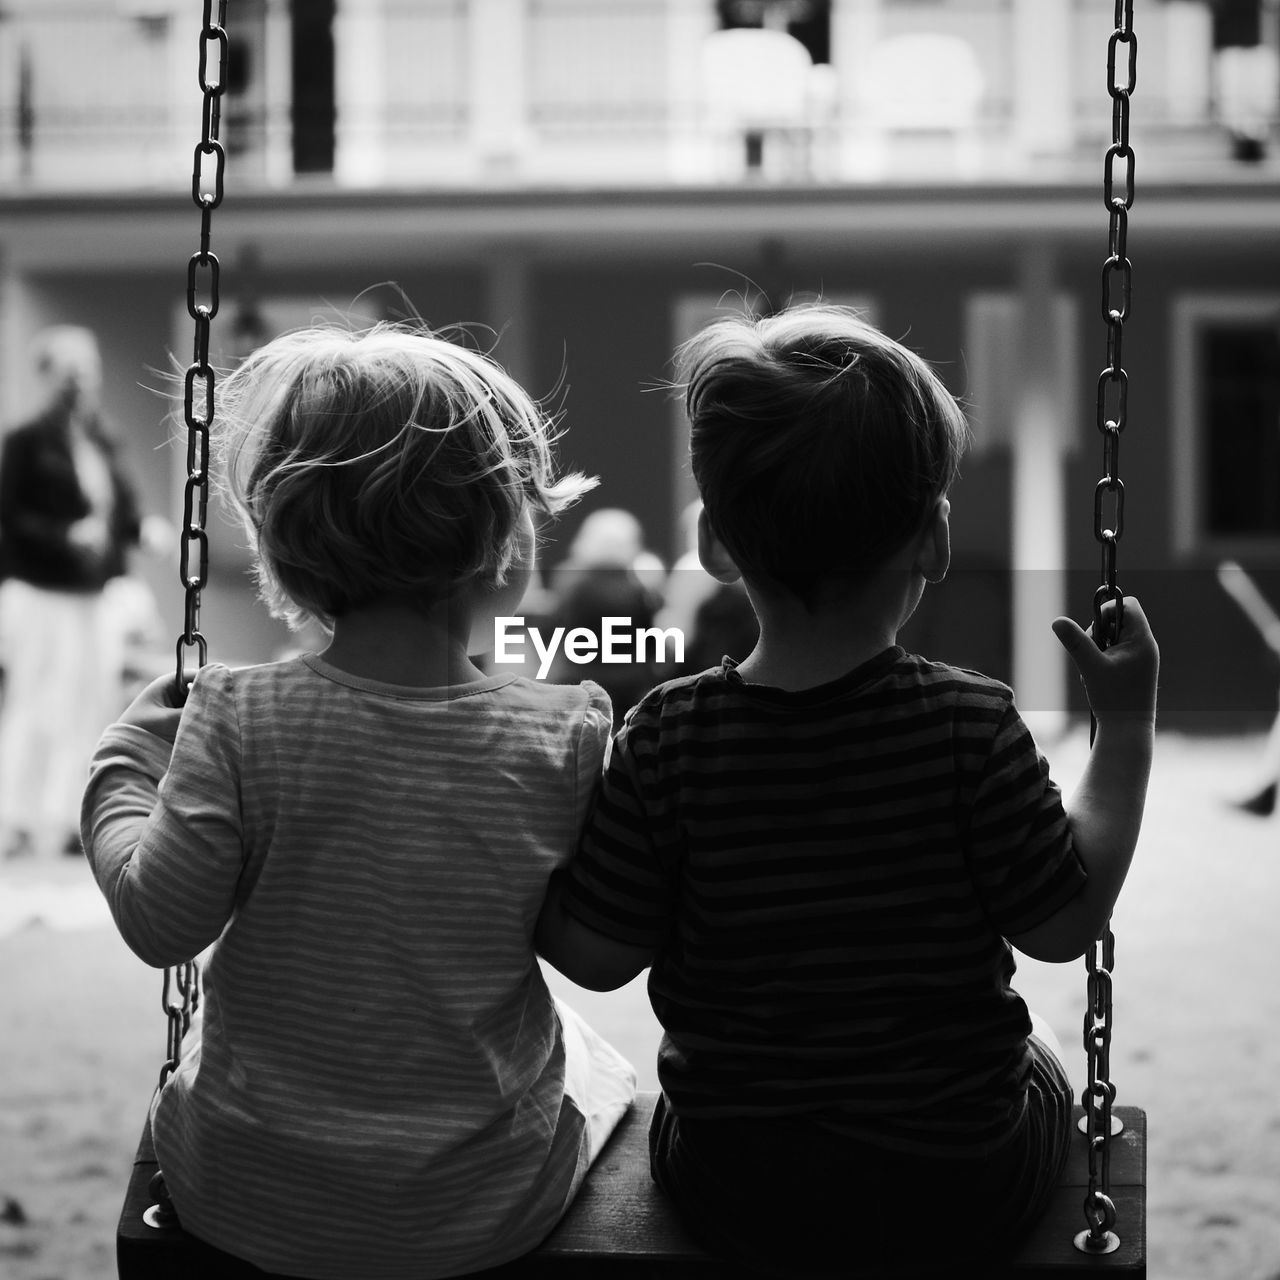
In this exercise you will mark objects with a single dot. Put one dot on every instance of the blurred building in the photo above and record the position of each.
(591, 179)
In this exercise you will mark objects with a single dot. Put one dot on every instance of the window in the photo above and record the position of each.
(809, 21)
(1242, 462)
(1227, 423)
(312, 59)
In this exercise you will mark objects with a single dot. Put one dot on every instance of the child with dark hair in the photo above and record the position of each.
(383, 1085)
(828, 851)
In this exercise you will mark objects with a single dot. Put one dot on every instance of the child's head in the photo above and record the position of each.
(819, 445)
(385, 464)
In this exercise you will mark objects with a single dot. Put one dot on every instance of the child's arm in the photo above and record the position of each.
(585, 957)
(617, 883)
(167, 870)
(1105, 811)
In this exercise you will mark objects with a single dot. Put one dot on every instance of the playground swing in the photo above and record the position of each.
(620, 1222)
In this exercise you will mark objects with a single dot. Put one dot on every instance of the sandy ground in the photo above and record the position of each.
(1196, 1041)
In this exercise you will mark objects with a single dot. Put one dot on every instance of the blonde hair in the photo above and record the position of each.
(817, 442)
(390, 462)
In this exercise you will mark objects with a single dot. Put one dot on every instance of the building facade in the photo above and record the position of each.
(586, 181)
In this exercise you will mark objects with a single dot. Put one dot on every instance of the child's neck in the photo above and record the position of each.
(396, 643)
(816, 655)
(801, 648)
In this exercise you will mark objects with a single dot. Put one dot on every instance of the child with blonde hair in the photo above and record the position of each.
(829, 850)
(383, 1085)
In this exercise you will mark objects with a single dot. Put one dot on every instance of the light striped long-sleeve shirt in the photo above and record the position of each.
(379, 1086)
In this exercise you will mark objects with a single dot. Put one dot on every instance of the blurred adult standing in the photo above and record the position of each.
(608, 573)
(68, 518)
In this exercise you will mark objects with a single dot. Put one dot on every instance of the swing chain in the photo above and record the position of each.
(193, 558)
(1113, 394)
(203, 272)
(1117, 287)
(1099, 1094)
(186, 977)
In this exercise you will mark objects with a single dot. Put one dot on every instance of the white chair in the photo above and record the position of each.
(757, 90)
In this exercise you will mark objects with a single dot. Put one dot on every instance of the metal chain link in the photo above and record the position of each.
(1097, 1099)
(1112, 413)
(186, 978)
(1117, 284)
(207, 173)
(198, 403)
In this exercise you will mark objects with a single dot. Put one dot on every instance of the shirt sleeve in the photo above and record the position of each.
(619, 884)
(163, 834)
(593, 747)
(1019, 845)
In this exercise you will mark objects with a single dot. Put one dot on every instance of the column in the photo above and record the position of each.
(691, 154)
(1188, 69)
(507, 303)
(360, 91)
(277, 93)
(1042, 76)
(855, 31)
(855, 28)
(499, 100)
(17, 326)
(1038, 558)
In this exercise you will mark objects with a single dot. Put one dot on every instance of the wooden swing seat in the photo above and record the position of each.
(621, 1225)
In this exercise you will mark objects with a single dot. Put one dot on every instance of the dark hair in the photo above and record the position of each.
(818, 444)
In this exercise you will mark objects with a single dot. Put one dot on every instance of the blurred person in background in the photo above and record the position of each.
(608, 573)
(68, 519)
(716, 618)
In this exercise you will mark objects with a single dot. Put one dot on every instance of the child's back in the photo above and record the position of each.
(376, 1038)
(382, 1084)
(835, 860)
(826, 878)
(823, 850)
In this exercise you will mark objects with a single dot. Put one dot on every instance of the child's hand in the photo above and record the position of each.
(156, 709)
(1120, 681)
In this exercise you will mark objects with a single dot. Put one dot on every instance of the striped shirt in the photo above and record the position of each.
(379, 1089)
(828, 878)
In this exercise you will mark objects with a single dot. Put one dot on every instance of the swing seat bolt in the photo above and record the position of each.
(1108, 1242)
(161, 1214)
(159, 1218)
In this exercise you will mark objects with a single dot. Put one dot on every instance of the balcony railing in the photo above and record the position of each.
(460, 92)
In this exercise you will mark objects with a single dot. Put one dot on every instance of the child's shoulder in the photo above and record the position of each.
(256, 691)
(685, 705)
(895, 667)
(567, 699)
(943, 679)
(959, 694)
(226, 677)
(683, 688)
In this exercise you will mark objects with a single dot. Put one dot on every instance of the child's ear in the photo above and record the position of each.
(933, 554)
(712, 554)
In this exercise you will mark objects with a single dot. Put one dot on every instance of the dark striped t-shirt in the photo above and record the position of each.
(828, 878)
